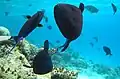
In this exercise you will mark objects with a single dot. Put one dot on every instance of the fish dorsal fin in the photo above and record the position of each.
(40, 25)
(81, 7)
(28, 16)
(46, 45)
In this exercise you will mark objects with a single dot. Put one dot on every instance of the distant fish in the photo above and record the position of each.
(49, 27)
(6, 13)
(91, 9)
(42, 63)
(57, 41)
(91, 44)
(95, 38)
(28, 27)
(69, 20)
(107, 50)
(8, 0)
(114, 8)
(30, 5)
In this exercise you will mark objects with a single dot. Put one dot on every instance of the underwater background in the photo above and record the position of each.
(102, 25)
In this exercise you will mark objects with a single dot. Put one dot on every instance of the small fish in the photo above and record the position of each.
(96, 39)
(57, 41)
(42, 63)
(7, 13)
(30, 5)
(28, 27)
(114, 8)
(107, 50)
(49, 27)
(91, 44)
(91, 9)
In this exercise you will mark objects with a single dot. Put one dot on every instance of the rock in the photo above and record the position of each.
(4, 31)
(11, 67)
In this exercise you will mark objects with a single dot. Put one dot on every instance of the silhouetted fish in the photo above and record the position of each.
(91, 9)
(28, 27)
(107, 50)
(42, 63)
(57, 41)
(7, 13)
(91, 44)
(114, 8)
(30, 5)
(69, 20)
(96, 39)
(49, 27)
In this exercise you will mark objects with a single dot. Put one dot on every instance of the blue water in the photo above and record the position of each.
(103, 25)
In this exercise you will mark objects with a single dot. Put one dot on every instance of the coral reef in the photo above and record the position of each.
(4, 31)
(62, 73)
(11, 66)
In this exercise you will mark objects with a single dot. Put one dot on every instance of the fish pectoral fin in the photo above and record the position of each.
(27, 16)
(27, 66)
(40, 25)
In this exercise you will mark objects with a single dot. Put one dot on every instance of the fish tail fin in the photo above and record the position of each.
(81, 7)
(65, 46)
(16, 40)
(46, 45)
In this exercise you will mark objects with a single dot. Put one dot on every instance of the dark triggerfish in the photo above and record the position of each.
(69, 20)
(114, 8)
(28, 27)
(42, 63)
(107, 50)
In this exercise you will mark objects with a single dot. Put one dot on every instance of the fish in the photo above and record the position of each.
(49, 27)
(107, 50)
(42, 63)
(28, 27)
(30, 5)
(7, 13)
(57, 41)
(91, 9)
(91, 44)
(69, 20)
(95, 38)
(114, 8)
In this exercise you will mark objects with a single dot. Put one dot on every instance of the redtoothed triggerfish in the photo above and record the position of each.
(42, 63)
(69, 20)
(28, 27)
